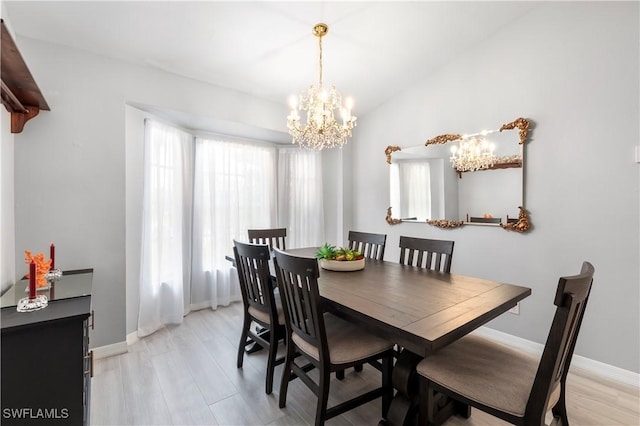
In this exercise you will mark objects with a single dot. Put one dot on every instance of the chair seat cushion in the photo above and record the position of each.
(483, 371)
(263, 316)
(347, 343)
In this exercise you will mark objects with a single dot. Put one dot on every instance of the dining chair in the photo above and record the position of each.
(274, 237)
(425, 253)
(261, 305)
(326, 341)
(370, 245)
(504, 382)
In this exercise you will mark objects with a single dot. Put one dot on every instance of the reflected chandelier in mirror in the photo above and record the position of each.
(427, 185)
(474, 152)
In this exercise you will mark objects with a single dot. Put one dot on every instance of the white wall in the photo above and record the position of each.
(7, 212)
(134, 164)
(7, 219)
(572, 68)
(70, 162)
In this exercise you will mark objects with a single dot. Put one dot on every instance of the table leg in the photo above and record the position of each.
(406, 402)
(404, 406)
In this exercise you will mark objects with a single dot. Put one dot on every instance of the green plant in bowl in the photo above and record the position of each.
(327, 251)
(340, 254)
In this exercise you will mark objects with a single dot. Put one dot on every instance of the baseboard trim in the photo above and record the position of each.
(132, 338)
(110, 350)
(586, 365)
(605, 370)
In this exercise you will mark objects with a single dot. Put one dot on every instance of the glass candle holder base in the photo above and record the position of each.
(29, 305)
(53, 275)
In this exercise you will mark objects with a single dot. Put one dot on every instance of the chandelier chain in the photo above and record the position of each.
(320, 45)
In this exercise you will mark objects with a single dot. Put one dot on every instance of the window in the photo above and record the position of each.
(200, 195)
(300, 206)
(166, 226)
(234, 190)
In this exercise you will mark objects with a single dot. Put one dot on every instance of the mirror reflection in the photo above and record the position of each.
(459, 179)
(423, 184)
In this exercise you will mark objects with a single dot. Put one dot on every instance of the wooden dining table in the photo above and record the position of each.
(419, 310)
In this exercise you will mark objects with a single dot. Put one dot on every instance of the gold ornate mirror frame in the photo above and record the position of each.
(522, 224)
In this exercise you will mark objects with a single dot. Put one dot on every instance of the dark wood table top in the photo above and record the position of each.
(420, 310)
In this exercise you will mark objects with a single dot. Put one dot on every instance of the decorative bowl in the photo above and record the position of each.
(342, 265)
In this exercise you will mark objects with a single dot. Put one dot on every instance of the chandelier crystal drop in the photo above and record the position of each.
(473, 153)
(321, 129)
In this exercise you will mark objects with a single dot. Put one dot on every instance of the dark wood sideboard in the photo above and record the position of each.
(46, 363)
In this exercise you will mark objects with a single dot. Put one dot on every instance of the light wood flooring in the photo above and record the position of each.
(187, 375)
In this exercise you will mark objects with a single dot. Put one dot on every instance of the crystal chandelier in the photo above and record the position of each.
(473, 153)
(321, 129)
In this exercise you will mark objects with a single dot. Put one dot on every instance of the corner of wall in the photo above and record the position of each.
(7, 213)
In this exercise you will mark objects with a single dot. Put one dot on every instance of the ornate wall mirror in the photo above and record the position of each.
(455, 179)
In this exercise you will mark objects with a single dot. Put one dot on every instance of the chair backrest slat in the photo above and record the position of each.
(436, 255)
(438, 260)
(252, 263)
(300, 311)
(571, 300)
(274, 238)
(370, 245)
(298, 283)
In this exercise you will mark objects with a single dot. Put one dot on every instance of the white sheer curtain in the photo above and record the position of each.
(166, 228)
(415, 184)
(234, 191)
(300, 201)
(201, 195)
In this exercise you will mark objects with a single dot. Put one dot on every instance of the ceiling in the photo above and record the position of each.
(373, 49)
